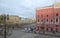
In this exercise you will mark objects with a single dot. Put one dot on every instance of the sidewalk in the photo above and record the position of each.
(51, 34)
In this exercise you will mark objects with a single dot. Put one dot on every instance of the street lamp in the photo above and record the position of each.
(4, 26)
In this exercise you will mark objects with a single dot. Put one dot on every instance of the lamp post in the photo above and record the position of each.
(4, 26)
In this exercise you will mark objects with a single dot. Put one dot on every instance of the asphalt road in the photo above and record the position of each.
(22, 34)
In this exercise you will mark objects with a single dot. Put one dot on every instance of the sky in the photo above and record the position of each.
(23, 8)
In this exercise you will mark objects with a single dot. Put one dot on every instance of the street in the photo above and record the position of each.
(22, 34)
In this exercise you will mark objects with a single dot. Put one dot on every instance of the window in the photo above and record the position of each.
(1, 18)
(56, 10)
(38, 15)
(56, 25)
(56, 19)
(47, 20)
(51, 29)
(7, 18)
(56, 14)
(47, 25)
(47, 29)
(41, 15)
(47, 15)
(41, 20)
(51, 20)
(38, 20)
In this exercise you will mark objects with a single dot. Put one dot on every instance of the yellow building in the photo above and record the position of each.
(10, 19)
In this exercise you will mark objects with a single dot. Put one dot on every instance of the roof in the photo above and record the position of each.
(55, 5)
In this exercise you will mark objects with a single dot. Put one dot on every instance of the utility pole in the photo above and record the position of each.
(4, 26)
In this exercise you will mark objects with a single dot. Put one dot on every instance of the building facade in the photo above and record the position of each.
(49, 18)
(27, 20)
(10, 19)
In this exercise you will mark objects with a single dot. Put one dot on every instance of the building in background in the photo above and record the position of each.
(15, 21)
(27, 20)
(11, 20)
(48, 17)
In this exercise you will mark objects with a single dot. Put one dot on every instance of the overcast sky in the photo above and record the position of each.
(23, 8)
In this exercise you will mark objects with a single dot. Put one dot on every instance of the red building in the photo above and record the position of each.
(48, 17)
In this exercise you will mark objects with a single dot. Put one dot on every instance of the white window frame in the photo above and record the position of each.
(51, 22)
(57, 22)
(47, 22)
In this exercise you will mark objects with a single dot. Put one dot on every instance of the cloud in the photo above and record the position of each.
(25, 8)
